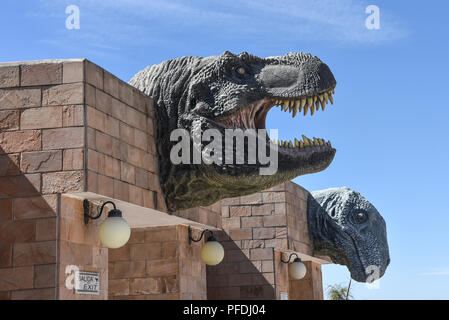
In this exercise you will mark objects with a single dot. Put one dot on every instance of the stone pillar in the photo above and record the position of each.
(310, 287)
(80, 247)
(66, 127)
(257, 229)
(157, 263)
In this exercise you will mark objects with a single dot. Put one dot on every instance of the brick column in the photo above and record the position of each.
(157, 263)
(66, 127)
(257, 229)
(310, 287)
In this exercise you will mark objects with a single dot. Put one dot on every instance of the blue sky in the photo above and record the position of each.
(389, 121)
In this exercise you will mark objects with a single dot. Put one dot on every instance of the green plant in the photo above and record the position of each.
(339, 292)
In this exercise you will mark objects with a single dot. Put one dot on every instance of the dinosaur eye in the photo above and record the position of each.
(361, 217)
(241, 70)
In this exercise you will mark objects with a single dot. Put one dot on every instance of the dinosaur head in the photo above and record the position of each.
(348, 228)
(234, 92)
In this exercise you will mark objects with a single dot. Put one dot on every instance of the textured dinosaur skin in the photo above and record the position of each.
(233, 91)
(346, 227)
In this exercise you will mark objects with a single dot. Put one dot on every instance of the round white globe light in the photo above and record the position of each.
(114, 232)
(297, 270)
(212, 253)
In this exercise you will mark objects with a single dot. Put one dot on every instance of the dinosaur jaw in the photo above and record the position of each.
(254, 117)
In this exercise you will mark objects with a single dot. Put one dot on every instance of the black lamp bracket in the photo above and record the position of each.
(211, 237)
(297, 259)
(113, 213)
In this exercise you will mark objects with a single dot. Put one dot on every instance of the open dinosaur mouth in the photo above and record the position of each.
(254, 117)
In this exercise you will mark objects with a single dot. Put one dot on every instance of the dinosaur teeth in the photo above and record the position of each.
(298, 144)
(309, 102)
(323, 105)
(304, 104)
(295, 110)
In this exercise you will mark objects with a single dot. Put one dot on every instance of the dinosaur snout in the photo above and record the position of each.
(305, 77)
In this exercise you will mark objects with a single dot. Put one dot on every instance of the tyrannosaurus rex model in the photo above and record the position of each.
(234, 92)
(346, 227)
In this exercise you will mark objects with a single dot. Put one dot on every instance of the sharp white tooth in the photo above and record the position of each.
(307, 141)
(321, 96)
(301, 144)
(331, 99)
(284, 106)
(310, 102)
(315, 141)
(306, 108)
(312, 110)
(290, 144)
(295, 110)
(303, 102)
(326, 97)
(323, 105)
(296, 143)
(317, 104)
(290, 106)
(298, 105)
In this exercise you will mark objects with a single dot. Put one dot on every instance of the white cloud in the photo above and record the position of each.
(337, 21)
(441, 272)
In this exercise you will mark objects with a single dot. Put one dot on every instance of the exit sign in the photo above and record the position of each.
(87, 282)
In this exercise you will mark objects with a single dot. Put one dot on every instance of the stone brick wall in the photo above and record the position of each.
(210, 215)
(257, 229)
(310, 287)
(157, 263)
(66, 126)
(34, 156)
(78, 128)
(79, 245)
(121, 155)
(27, 243)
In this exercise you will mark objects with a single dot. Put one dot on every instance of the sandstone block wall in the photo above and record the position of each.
(78, 245)
(310, 287)
(66, 126)
(157, 263)
(210, 215)
(76, 127)
(121, 155)
(257, 229)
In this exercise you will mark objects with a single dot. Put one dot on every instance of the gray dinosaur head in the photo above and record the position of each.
(346, 227)
(230, 92)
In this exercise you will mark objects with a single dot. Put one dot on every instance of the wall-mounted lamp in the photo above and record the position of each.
(114, 231)
(297, 270)
(212, 253)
